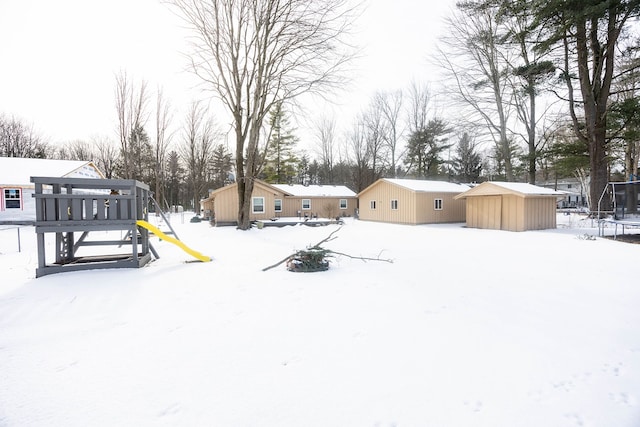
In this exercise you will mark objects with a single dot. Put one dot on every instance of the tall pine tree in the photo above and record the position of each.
(280, 161)
(425, 148)
(467, 163)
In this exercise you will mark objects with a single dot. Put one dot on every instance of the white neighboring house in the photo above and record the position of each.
(16, 189)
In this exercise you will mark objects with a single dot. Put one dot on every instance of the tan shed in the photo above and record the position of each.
(510, 206)
(412, 201)
(281, 200)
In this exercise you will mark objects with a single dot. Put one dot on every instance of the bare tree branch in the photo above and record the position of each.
(317, 246)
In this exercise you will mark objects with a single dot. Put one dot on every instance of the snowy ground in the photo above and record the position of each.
(465, 328)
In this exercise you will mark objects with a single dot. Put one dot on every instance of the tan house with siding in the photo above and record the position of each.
(281, 201)
(511, 206)
(412, 201)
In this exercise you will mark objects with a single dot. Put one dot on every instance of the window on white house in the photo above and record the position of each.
(12, 198)
(343, 203)
(257, 204)
(306, 204)
(437, 204)
(278, 205)
(372, 205)
(394, 204)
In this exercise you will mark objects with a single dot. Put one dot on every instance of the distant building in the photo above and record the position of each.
(16, 189)
(279, 201)
(574, 193)
(412, 201)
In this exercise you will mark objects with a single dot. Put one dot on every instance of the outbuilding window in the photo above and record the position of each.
(277, 205)
(257, 204)
(306, 204)
(343, 203)
(437, 204)
(372, 205)
(12, 199)
(394, 205)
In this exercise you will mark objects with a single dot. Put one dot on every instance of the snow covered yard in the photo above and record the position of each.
(465, 328)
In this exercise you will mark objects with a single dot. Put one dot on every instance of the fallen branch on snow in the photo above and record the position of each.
(316, 252)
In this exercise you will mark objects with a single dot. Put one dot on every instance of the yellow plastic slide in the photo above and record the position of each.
(160, 234)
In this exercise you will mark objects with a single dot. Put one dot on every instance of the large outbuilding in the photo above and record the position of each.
(412, 201)
(510, 206)
(270, 201)
(16, 189)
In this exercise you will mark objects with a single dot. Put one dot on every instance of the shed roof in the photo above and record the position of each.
(495, 188)
(421, 185)
(315, 190)
(18, 171)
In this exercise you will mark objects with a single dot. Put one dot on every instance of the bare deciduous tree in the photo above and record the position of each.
(390, 105)
(162, 139)
(252, 54)
(477, 69)
(18, 139)
(325, 133)
(77, 150)
(359, 156)
(106, 155)
(131, 108)
(197, 150)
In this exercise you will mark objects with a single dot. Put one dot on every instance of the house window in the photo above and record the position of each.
(12, 199)
(278, 205)
(437, 204)
(257, 204)
(306, 204)
(343, 203)
(372, 205)
(394, 205)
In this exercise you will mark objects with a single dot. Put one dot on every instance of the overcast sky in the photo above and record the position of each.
(60, 58)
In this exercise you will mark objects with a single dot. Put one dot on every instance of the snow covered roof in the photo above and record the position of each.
(18, 171)
(428, 186)
(497, 188)
(315, 190)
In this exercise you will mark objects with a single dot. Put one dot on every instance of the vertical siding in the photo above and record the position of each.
(269, 202)
(383, 193)
(321, 206)
(513, 213)
(413, 207)
(541, 213)
(484, 212)
(225, 205)
(452, 210)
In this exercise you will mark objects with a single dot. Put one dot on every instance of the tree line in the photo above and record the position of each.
(529, 90)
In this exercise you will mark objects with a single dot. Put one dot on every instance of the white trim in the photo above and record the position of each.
(253, 205)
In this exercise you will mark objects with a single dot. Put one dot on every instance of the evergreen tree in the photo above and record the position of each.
(221, 165)
(425, 148)
(592, 34)
(139, 157)
(280, 160)
(174, 180)
(467, 163)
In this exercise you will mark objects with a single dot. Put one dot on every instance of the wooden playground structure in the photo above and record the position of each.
(71, 208)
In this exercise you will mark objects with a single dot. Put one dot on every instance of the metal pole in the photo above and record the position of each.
(19, 247)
